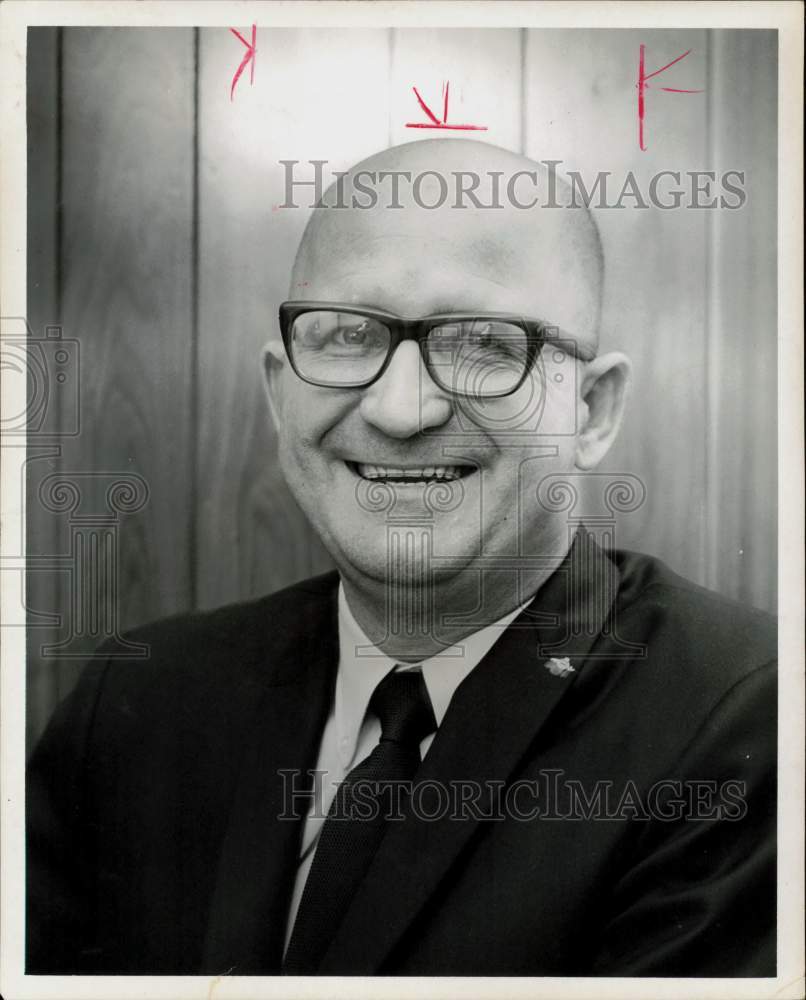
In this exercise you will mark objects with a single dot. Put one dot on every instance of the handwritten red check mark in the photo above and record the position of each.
(442, 123)
(248, 58)
(642, 86)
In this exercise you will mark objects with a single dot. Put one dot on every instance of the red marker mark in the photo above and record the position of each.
(642, 86)
(249, 57)
(443, 123)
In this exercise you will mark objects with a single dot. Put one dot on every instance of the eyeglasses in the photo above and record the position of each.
(482, 355)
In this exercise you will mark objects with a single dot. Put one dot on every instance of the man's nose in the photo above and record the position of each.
(405, 400)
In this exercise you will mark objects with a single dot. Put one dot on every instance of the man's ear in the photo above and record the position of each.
(274, 361)
(605, 386)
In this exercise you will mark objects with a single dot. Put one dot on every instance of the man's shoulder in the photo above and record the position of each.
(225, 645)
(283, 610)
(677, 663)
(696, 623)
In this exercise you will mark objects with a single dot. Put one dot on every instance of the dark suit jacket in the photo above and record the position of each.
(154, 844)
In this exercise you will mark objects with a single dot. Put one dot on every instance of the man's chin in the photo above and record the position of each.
(408, 556)
(390, 567)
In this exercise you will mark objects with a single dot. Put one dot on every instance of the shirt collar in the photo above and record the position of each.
(362, 666)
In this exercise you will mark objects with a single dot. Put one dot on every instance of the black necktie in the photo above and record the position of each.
(357, 817)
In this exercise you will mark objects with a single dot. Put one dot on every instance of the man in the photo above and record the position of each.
(528, 755)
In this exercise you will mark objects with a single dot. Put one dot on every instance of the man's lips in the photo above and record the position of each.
(410, 473)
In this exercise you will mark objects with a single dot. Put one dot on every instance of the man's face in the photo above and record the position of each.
(468, 469)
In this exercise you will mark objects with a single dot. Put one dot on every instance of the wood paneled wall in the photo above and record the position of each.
(155, 241)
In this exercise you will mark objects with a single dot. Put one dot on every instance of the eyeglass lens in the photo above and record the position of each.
(478, 357)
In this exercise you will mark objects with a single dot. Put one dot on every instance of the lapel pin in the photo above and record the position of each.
(560, 666)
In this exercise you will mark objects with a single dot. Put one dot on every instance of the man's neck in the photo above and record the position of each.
(410, 624)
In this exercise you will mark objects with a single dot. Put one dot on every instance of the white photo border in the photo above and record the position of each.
(15, 17)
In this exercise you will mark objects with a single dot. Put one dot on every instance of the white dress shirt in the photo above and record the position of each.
(351, 733)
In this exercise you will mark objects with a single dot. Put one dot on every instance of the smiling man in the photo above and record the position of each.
(480, 395)
(485, 746)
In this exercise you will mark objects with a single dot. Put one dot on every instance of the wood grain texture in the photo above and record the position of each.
(690, 294)
(581, 86)
(125, 265)
(252, 537)
(43, 588)
(127, 259)
(742, 369)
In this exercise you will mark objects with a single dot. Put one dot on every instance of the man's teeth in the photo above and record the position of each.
(445, 472)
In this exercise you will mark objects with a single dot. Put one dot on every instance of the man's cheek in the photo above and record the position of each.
(292, 458)
(517, 414)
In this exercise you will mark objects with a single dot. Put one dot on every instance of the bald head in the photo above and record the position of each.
(451, 225)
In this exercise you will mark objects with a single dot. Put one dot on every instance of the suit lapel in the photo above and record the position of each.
(492, 720)
(286, 711)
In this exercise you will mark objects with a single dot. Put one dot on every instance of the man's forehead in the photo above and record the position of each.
(450, 267)
(542, 263)
(413, 291)
(493, 256)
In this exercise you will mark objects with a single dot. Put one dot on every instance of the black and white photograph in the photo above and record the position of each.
(402, 451)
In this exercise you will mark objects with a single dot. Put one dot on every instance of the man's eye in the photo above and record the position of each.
(484, 336)
(341, 336)
(480, 334)
(491, 338)
(355, 335)
(362, 335)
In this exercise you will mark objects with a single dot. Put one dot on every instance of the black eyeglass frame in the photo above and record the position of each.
(537, 331)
